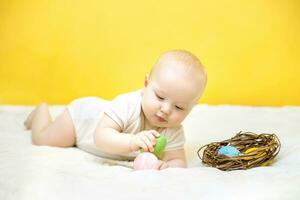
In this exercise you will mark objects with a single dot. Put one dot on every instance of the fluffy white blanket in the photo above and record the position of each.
(41, 172)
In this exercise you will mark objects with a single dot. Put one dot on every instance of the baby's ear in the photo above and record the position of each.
(146, 81)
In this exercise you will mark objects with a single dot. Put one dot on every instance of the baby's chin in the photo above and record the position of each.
(164, 124)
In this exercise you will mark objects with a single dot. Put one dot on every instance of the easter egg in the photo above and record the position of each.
(228, 151)
(160, 145)
(145, 160)
(250, 150)
(267, 163)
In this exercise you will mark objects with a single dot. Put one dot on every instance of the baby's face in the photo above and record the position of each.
(169, 96)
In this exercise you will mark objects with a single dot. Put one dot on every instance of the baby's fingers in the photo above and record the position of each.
(161, 165)
(151, 138)
(155, 133)
(143, 145)
(164, 166)
(148, 143)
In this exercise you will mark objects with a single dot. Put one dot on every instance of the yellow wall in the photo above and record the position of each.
(56, 51)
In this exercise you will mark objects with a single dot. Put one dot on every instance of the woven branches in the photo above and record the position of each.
(256, 150)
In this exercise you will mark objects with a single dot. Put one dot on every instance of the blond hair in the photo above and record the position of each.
(185, 59)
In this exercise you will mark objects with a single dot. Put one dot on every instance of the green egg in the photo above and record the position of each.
(160, 145)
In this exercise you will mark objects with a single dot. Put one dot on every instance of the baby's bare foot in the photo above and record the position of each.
(28, 121)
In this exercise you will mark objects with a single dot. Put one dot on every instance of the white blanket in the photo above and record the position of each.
(41, 172)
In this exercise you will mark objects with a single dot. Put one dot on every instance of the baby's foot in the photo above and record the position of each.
(28, 121)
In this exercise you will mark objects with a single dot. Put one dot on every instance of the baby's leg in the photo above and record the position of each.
(59, 133)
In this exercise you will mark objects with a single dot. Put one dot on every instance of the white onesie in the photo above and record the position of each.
(125, 110)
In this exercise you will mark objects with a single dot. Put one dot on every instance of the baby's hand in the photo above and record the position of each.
(161, 165)
(144, 140)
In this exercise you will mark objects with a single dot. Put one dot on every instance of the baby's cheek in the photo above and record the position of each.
(177, 119)
(154, 104)
(183, 116)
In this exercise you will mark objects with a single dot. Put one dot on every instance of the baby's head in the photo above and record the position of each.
(174, 86)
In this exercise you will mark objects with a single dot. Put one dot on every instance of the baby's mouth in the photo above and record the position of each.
(160, 119)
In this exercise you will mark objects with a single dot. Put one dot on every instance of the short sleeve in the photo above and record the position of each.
(122, 108)
(175, 138)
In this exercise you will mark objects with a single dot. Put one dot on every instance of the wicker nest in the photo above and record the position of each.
(263, 148)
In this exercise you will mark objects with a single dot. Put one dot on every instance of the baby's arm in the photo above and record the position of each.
(174, 158)
(109, 138)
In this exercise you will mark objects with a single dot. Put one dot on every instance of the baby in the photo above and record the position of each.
(132, 121)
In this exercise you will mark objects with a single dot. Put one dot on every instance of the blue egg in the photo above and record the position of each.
(228, 151)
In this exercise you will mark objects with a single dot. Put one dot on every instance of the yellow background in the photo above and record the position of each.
(56, 51)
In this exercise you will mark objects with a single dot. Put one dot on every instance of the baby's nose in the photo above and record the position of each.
(165, 108)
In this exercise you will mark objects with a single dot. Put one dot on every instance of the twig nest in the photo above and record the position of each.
(243, 151)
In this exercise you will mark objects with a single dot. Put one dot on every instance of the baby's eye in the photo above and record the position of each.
(159, 97)
(179, 108)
